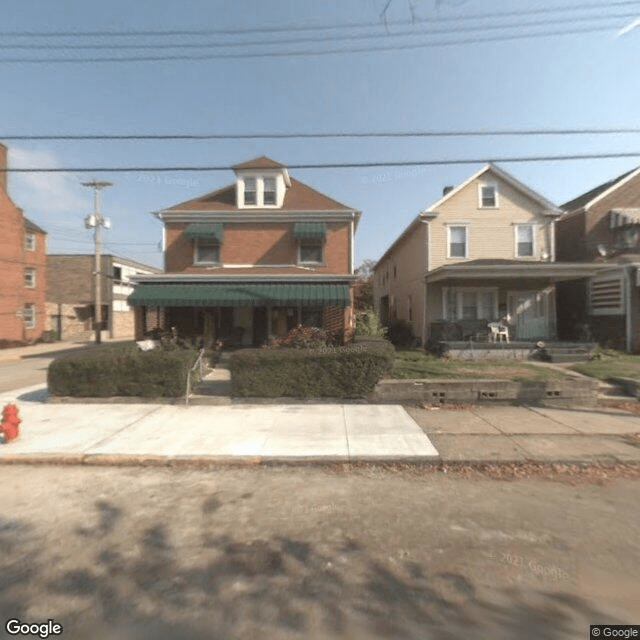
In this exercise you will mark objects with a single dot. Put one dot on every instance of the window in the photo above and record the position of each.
(311, 251)
(395, 272)
(207, 252)
(117, 275)
(488, 196)
(30, 278)
(29, 316)
(269, 191)
(457, 242)
(30, 242)
(470, 304)
(524, 234)
(250, 193)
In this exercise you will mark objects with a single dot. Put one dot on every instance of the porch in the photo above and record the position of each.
(462, 300)
(241, 314)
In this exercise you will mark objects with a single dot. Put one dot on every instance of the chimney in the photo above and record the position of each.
(446, 190)
(3, 165)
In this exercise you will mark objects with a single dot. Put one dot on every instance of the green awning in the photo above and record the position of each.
(240, 295)
(315, 230)
(213, 230)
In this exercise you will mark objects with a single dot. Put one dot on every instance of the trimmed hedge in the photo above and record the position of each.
(333, 372)
(122, 371)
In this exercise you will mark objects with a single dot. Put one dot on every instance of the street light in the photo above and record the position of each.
(96, 221)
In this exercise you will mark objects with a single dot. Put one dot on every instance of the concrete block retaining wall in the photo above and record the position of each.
(582, 392)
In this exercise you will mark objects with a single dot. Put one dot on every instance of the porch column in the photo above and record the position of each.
(269, 322)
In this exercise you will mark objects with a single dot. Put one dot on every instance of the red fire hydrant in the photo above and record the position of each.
(10, 422)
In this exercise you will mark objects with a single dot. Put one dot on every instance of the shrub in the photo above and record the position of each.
(121, 371)
(302, 338)
(341, 372)
(368, 324)
(400, 334)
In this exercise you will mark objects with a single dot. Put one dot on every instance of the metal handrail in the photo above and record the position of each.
(199, 362)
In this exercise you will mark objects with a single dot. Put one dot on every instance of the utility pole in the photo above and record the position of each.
(96, 221)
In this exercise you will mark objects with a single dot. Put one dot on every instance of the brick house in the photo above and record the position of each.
(482, 252)
(71, 295)
(602, 227)
(252, 260)
(23, 258)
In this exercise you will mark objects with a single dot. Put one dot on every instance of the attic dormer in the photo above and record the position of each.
(261, 184)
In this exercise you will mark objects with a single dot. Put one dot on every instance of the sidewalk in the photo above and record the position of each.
(43, 348)
(153, 433)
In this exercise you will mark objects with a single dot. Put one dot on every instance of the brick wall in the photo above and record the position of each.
(123, 324)
(259, 243)
(570, 238)
(14, 259)
(71, 280)
(69, 321)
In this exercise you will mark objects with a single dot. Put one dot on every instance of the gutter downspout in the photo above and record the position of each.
(351, 251)
(427, 263)
(629, 328)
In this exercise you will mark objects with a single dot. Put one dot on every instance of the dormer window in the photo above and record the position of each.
(269, 191)
(250, 191)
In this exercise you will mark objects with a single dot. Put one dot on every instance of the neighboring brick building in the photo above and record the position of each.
(23, 248)
(71, 295)
(602, 227)
(252, 260)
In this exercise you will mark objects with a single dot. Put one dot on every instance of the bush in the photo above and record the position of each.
(341, 372)
(302, 338)
(400, 334)
(121, 371)
(368, 324)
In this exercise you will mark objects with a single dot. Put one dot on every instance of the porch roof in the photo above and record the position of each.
(514, 269)
(241, 294)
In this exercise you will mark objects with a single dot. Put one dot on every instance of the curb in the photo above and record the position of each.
(190, 462)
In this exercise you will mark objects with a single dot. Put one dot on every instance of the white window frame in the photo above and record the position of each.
(496, 196)
(274, 180)
(516, 229)
(254, 191)
(30, 242)
(196, 248)
(308, 241)
(459, 293)
(30, 277)
(29, 316)
(459, 225)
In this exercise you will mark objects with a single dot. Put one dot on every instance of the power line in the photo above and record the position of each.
(306, 27)
(335, 134)
(350, 37)
(339, 165)
(302, 53)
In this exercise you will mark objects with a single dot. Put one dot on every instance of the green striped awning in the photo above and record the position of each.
(240, 295)
(315, 230)
(205, 230)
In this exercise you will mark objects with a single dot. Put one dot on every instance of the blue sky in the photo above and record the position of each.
(570, 81)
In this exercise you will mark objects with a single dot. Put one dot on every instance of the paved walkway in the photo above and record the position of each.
(137, 433)
(275, 432)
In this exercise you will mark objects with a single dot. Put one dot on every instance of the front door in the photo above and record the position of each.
(529, 311)
(260, 327)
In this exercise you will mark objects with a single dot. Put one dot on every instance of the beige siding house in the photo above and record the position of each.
(482, 253)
